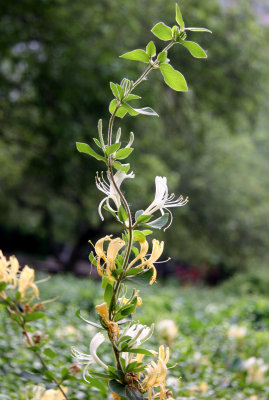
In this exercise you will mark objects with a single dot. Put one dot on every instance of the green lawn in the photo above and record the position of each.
(210, 364)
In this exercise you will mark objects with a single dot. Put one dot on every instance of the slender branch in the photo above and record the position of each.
(43, 362)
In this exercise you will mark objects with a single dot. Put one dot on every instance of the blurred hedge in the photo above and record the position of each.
(57, 58)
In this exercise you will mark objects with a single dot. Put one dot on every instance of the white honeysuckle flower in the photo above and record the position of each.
(163, 200)
(110, 190)
(88, 359)
(139, 334)
(256, 368)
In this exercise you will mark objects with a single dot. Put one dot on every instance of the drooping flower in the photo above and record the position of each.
(237, 332)
(26, 281)
(110, 190)
(112, 326)
(10, 274)
(139, 334)
(88, 359)
(164, 201)
(156, 375)
(256, 369)
(167, 330)
(157, 250)
(108, 257)
(39, 392)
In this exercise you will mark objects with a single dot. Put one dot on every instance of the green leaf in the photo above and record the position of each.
(129, 309)
(162, 57)
(121, 112)
(111, 149)
(173, 78)
(122, 214)
(79, 316)
(85, 148)
(121, 167)
(108, 294)
(143, 219)
(138, 236)
(17, 296)
(140, 351)
(138, 213)
(34, 316)
(142, 278)
(114, 90)
(162, 31)
(194, 48)
(50, 353)
(110, 211)
(99, 375)
(194, 29)
(98, 384)
(136, 55)
(147, 232)
(117, 388)
(2, 286)
(134, 271)
(96, 141)
(179, 18)
(123, 153)
(159, 222)
(151, 49)
(120, 91)
(92, 259)
(132, 97)
(133, 394)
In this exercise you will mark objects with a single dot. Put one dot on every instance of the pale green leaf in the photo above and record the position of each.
(162, 31)
(194, 48)
(197, 29)
(151, 49)
(173, 78)
(123, 153)
(121, 167)
(162, 57)
(136, 55)
(132, 97)
(85, 148)
(111, 149)
(179, 18)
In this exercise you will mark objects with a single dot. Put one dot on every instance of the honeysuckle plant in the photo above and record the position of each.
(138, 372)
(19, 294)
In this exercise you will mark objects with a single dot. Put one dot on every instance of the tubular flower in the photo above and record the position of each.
(138, 333)
(88, 359)
(112, 326)
(10, 274)
(163, 200)
(110, 190)
(156, 375)
(109, 256)
(157, 250)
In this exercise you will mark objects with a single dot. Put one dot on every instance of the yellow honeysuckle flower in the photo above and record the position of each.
(113, 328)
(144, 246)
(26, 281)
(10, 274)
(156, 375)
(108, 256)
(157, 250)
(52, 394)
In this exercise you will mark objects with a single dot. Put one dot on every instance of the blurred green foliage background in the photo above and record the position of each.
(57, 59)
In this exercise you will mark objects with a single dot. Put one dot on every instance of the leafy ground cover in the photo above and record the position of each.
(220, 351)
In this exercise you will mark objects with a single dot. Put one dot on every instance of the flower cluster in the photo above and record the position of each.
(15, 278)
